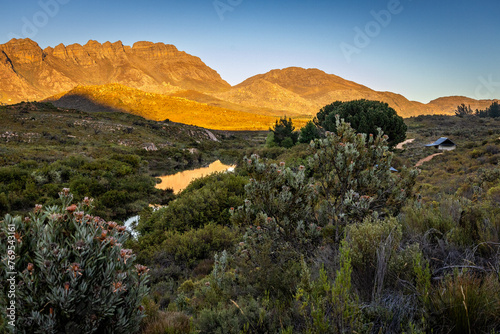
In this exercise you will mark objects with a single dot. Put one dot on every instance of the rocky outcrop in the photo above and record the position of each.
(30, 73)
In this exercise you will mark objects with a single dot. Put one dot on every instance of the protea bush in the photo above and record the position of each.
(73, 273)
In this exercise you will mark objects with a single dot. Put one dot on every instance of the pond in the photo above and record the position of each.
(181, 180)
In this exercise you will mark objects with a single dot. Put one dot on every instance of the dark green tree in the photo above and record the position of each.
(284, 129)
(309, 132)
(493, 110)
(463, 110)
(365, 116)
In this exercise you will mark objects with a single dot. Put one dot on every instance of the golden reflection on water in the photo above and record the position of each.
(181, 180)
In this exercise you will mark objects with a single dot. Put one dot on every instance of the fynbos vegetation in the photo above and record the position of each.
(74, 273)
(331, 234)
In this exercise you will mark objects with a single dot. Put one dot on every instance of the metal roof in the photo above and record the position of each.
(441, 141)
(392, 169)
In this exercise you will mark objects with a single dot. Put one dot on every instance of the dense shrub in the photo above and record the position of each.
(284, 134)
(74, 275)
(206, 201)
(354, 178)
(309, 132)
(365, 117)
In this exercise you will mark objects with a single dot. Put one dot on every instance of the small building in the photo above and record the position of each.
(443, 143)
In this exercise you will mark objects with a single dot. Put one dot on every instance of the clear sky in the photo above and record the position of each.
(421, 49)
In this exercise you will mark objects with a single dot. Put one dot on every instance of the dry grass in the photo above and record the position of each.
(168, 323)
(467, 303)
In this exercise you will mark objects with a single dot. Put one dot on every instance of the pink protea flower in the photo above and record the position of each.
(119, 286)
(78, 215)
(121, 229)
(112, 225)
(18, 237)
(87, 201)
(141, 270)
(75, 269)
(101, 238)
(71, 208)
(125, 254)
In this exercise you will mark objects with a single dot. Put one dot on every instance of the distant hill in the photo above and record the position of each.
(29, 73)
(448, 104)
(115, 97)
(304, 91)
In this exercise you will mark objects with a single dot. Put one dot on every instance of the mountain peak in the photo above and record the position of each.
(23, 50)
(152, 67)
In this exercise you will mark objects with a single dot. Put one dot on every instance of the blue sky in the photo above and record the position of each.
(421, 49)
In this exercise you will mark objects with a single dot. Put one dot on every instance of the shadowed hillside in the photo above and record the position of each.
(28, 72)
(160, 107)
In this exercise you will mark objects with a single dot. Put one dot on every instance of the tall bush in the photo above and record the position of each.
(354, 177)
(73, 274)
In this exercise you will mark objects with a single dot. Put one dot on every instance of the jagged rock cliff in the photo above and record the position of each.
(28, 72)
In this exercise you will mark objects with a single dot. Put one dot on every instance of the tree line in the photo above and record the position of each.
(492, 111)
(364, 116)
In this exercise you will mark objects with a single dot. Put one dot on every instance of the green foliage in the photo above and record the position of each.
(309, 132)
(279, 223)
(73, 274)
(374, 244)
(492, 111)
(240, 316)
(93, 153)
(466, 303)
(190, 247)
(284, 134)
(353, 177)
(206, 201)
(423, 279)
(365, 117)
(329, 307)
(279, 199)
(114, 184)
(270, 140)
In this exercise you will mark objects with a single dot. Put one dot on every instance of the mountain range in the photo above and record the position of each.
(28, 72)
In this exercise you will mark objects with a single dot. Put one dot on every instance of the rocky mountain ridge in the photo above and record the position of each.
(28, 72)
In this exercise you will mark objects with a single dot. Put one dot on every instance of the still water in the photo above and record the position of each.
(181, 180)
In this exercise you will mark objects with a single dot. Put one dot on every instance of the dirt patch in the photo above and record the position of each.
(429, 158)
(407, 141)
